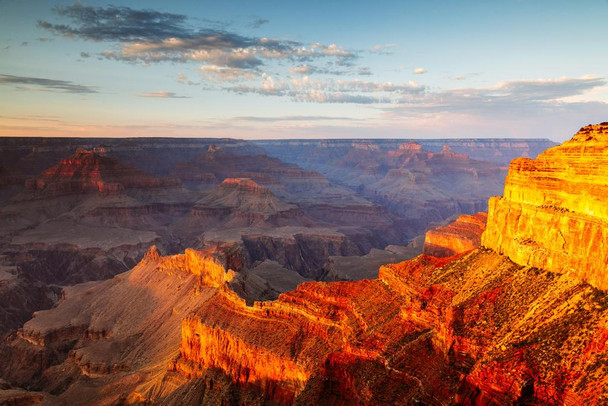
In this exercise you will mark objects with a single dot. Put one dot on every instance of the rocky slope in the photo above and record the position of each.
(477, 329)
(120, 332)
(472, 331)
(461, 235)
(554, 214)
(241, 202)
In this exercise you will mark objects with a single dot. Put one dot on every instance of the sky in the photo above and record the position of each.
(286, 69)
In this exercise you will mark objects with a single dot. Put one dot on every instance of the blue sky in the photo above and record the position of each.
(316, 69)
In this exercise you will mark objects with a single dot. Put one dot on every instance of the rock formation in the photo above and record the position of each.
(554, 213)
(116, 331)
(416, 184)
(461, 235)
(521, 320)
(86, 171)
(241, 202)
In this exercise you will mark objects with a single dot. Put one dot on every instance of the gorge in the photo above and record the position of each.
(504, 308)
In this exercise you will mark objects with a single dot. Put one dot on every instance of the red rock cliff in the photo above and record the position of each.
(460, 236)
(204, 264)
(554, 214)
(87, 171)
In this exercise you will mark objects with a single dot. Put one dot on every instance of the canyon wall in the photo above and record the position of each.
(554, 214)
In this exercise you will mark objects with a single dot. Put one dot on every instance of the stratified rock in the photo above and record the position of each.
(462, 235)
(554, 213)
(86, 171)
(418, 185)
(241, 202)
(115, 331)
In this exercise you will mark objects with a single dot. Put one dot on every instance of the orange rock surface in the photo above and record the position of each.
(477, 329)
(462, 235)
(554, 214)
(204, 264)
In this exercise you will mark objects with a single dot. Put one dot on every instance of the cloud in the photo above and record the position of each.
(258, 22)
(85, 55)
(332, 91)
(116, 23)
(151, 36)
(419, 71)
(515, 99)
(51, 85)
(314, 96)
(303, 69)
(364, 72)
(162, 95)
(24, 44)
(382, 49)
(222, 74)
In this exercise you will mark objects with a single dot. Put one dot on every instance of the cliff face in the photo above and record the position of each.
(463, 234)
(475, 328)
(321, 341)
(86, 171)
(206, 265)
(114, 331)
(554, 214)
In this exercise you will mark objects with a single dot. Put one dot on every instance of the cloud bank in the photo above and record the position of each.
(43, 84)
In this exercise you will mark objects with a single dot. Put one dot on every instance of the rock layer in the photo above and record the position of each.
(554, 214)
(87, 171)
(462, 235)
(472, 330)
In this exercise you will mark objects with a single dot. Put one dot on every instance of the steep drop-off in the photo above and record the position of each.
(554, 213)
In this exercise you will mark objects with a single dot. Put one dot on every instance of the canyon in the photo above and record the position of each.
(81, 209)
(283, 297)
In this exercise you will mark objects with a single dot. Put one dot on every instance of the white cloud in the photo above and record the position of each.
(383, 49)
(302, 69)
(419, 71)
(216, 73)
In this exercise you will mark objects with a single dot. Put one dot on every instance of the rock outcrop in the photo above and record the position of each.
(241, 202)
(554, 213)
(461, 235)
(113, 332)
(87, 171)
(477, 329)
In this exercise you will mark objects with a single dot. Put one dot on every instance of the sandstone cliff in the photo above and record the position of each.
(472, 330)
(554, 213)
(461, 235)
